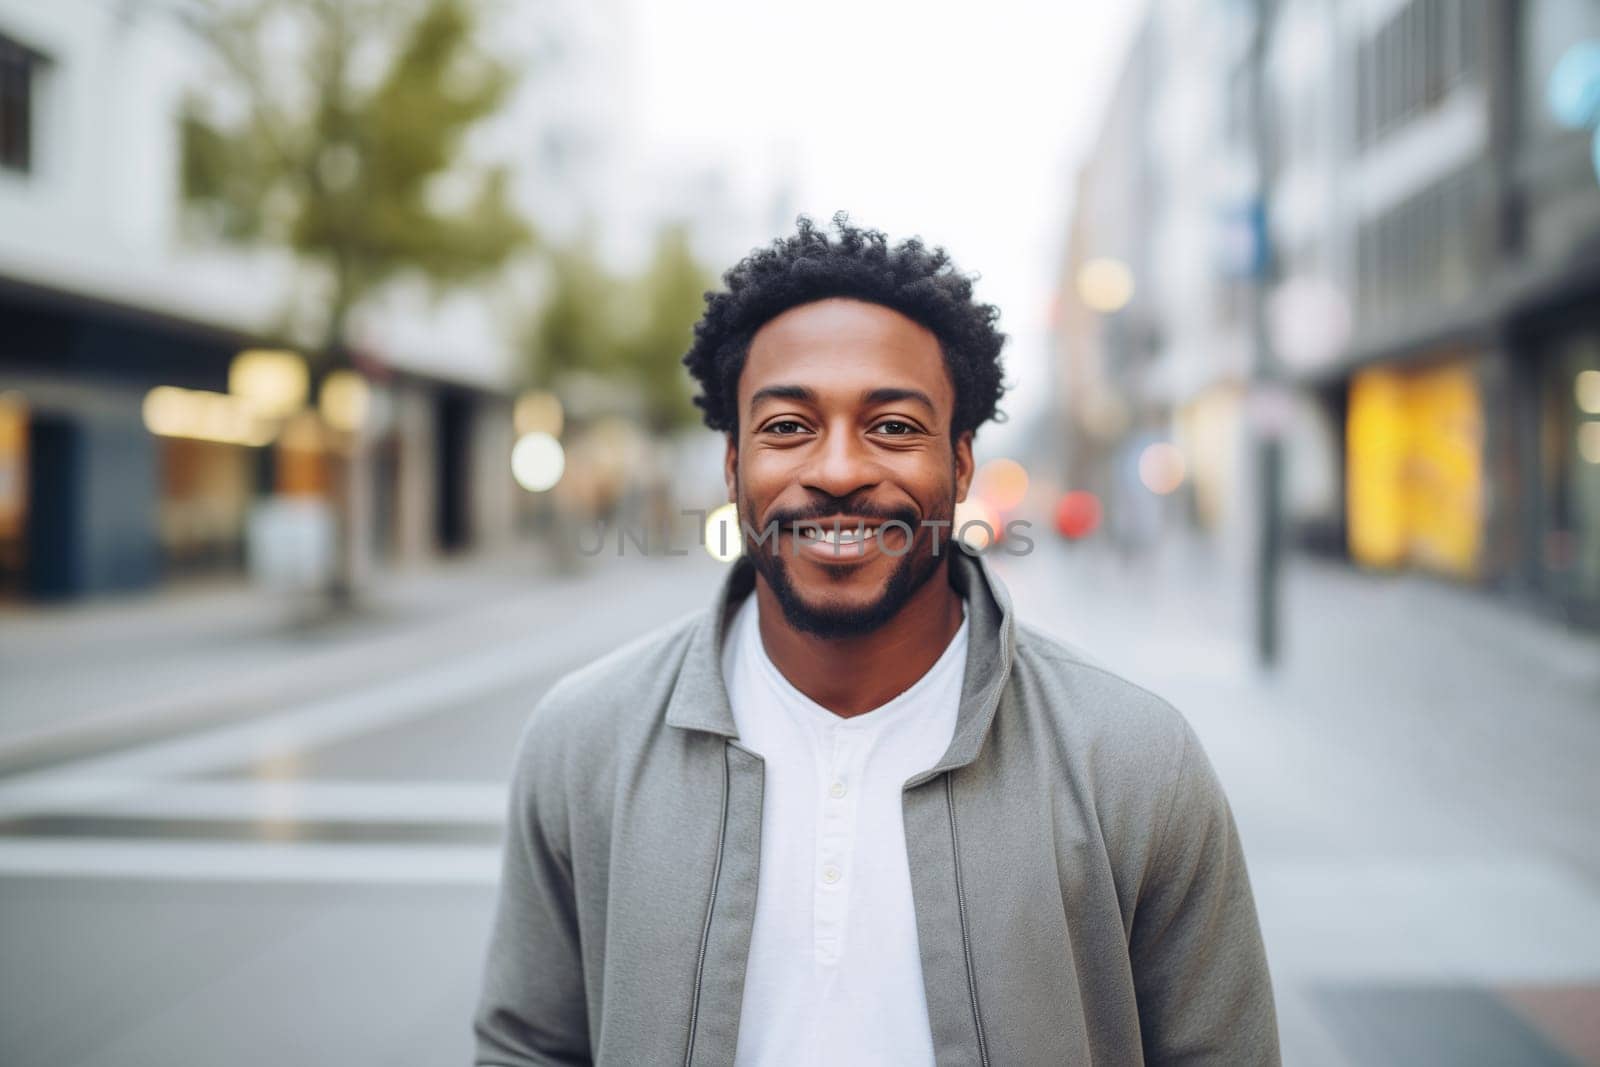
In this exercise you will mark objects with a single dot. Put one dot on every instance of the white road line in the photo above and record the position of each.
(318, 722)
(226, 861)
(291, 800)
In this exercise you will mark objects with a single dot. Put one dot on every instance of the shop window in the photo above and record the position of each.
(1412, 63)
(206, 489)
(1569, 552)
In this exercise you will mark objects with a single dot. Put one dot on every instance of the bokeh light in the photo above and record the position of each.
(723, 538)
(1161, 468)
(273, 382)
(345, 400)
(538, 411)
(976, 524)
(537, 462)
(1309, 321)
(1573, 92)
(1077, 514)
(1002, 483)
(1589, 442)
(204, 416)
(1105, 285)
(1586, 390)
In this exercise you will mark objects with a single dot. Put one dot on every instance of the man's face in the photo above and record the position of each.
(844, 416)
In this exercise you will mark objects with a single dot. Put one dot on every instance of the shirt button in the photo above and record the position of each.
(830, 874)
(836, 790)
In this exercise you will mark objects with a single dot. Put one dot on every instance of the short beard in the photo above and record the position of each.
(910, 574)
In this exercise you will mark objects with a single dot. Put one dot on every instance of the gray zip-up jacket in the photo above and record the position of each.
(1080, 892)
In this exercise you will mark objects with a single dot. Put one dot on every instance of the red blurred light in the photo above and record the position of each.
(1077, 514)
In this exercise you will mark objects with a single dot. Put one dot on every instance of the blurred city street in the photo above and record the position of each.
(317, 831)
(327, 326)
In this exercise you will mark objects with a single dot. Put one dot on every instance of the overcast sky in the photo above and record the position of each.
(962, 123)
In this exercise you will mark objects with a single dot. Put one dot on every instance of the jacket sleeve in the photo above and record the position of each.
(1199, 967)
(532, 1007)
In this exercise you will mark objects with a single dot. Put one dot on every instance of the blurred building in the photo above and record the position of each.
(103, 299)
(1430, 239)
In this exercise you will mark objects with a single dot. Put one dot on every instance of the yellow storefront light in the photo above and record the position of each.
(345, 400)
(274, 382)
(205, 416)
(1415, 468)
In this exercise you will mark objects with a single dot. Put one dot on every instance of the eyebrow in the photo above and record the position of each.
(784, 392)
(893, 395)
(882, 395)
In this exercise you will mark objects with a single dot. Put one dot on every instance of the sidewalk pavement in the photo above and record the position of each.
(1415, 787)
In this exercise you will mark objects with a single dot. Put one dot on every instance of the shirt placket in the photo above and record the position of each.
(835, 843)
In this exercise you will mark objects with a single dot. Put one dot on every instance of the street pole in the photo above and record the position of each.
(1266, 409)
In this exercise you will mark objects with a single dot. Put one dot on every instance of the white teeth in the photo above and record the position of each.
(839, 537)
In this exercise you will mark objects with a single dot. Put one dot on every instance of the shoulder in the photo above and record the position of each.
(1132, 749)
(1080, 694)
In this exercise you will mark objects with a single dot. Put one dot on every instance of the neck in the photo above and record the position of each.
(852, 675)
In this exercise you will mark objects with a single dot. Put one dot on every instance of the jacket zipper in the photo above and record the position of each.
(711, 904)
(961, 907)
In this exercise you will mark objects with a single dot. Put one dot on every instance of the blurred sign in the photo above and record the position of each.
(1573, 93)
(1309, 321)
(290, 543)
(1242, 240)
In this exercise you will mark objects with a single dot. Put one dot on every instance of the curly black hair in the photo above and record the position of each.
(920, 283)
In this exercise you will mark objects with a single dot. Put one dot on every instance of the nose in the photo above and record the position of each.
(840, 465)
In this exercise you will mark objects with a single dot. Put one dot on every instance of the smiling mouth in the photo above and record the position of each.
(833, 542)
(840, 536)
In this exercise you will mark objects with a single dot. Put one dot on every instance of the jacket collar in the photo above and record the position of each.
(700, 698)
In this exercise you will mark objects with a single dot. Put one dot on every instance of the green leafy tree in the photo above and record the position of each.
(335, 129)
(576, 328)
(671, 297)
(631, 331)
(309, 142)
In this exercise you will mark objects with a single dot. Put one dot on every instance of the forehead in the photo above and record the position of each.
(845, 347)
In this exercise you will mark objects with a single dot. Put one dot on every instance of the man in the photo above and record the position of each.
(856, 812)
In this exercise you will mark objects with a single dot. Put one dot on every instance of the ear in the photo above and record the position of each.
(964, 464)
(730, 467)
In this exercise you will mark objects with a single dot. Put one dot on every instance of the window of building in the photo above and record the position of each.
(1413, 61)
(1423, 252)
(19, 68)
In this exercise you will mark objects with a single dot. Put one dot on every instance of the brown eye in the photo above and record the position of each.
(774, 427)
(896, 427)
